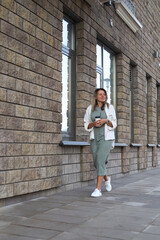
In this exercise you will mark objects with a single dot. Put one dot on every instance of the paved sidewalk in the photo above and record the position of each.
(130, 212)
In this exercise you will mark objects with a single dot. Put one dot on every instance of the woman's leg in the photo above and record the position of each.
(108, 183)
(99, 182)
(105, 178)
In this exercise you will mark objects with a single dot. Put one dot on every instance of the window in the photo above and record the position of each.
(106, 72)
(131, 104)
(133, 79)
(158, 113)
(130, 5)
(68, 80)
(147, 105)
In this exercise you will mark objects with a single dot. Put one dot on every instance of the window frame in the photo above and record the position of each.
(131, 105)
(148, 78)
(157, 108)
(100, 70)
(70, 134)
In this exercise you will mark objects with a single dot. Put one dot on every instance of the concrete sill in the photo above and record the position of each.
(121, 145)
(76, 143)
(136, 145)
(73, 143)
(151, 145)
(158, 145)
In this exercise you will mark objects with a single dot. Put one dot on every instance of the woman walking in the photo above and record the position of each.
(100, 120)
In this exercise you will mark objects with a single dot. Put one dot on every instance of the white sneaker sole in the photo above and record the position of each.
(96, 196)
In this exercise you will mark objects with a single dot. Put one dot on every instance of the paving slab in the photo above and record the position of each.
(105, 233)
(119, 222)
(44, 224)
(156, 221)
(152, 229)
(130, 211)
(81, 236)
(72, 212)
(29, 232)
(21, 210)
(143, 236)
(60, 218)
(16, 237)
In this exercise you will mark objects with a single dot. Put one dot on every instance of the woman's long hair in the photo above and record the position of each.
(94, 99)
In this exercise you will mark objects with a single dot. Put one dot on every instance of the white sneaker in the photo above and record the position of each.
(108, 184)
(96, 193)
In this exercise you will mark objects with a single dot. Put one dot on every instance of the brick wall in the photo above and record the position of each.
(30, 81)
(31, 159)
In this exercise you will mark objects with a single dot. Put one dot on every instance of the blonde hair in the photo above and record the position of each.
(94, 99)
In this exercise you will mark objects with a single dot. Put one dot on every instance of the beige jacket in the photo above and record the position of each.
(109, 132)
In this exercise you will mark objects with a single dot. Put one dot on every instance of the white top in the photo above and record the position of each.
(109, 131)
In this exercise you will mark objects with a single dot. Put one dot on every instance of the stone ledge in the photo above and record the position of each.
(77, 143)
(73, 143)
(136, 145)
(121, 145)
(151, 145)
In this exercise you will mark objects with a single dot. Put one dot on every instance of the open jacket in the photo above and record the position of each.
(109, 131)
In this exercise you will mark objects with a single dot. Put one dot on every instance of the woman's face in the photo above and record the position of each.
(101, 96)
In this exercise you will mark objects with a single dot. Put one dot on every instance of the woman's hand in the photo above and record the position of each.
(103, 121)
(99, 123)
(94, 124)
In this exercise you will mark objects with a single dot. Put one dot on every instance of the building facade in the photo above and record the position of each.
(53, 54)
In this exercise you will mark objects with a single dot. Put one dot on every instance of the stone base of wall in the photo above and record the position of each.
(41, 194)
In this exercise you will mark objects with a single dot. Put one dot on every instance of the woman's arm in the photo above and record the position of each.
(112, 118)
(91, 125)
(87, 119)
